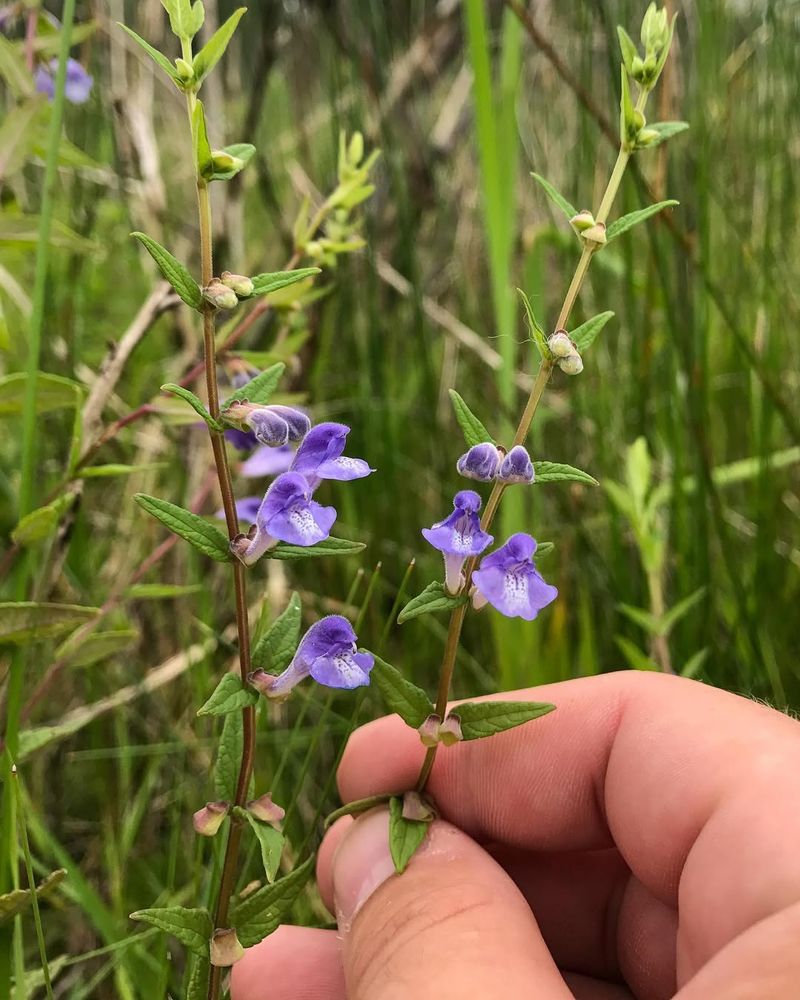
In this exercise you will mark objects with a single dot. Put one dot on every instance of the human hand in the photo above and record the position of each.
(641, 840)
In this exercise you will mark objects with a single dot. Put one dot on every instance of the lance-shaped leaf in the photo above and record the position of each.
(627, 222)
(172, 269)
(268, 282)
(555, 472)
(208, 57)
(40, 523)
(433, 598)
(229, 757)
(473, 430)
(330, 547)
(537, 333)
(635, 657)
(405, 835)
(259, 914)
(197, 531)
(197, 988)
(400, 695)
(18, 900)
(584, 335)
(202, 147)
(53, 392)
(627, 48)
(230, 695)
(275, 648)
(117, 469)
(269, 839)
(88, 649)
(664, 130)
(196, 404)
(259, 389)
(485, 718)
(158, 58)
(242, 151)
(558, 199)
(191, 927)
(26, 621)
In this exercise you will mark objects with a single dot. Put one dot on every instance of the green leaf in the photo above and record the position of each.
(537, 333)
(330, 547)
(555, 472)
(557, 199)
(208, 57)
(40, 523)
(158, 58)
(627, 222)
(400, 695)
(185, 18)
(53, 392)
(485, 718)
(671, 618)
(627, 115)
(229, 757)
(268, 282)
(243, 151)
(433, 598)
(635, 657)
(161, 591)
(627, 48)
(97, 646)
(172, 269)
(116, 469)
(405, 835)
(26, 621)
(585, 335)
(260, 388)
(197, 988)
(259, 914)
(275, 649)
(229, 696)
(18, 900)
(270, 841)
(198, 532)
(191, 927)
(202, 147)
(473, 430)
(695, 662)
(638, 470)
(665, 130)
(662, 59)
(641, 617)
(196, 404)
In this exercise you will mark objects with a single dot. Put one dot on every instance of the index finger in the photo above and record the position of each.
(693, 785)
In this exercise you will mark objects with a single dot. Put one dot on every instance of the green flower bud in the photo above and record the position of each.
(185, 70)
(240, 283)
(582, 221)
(637, 69)
(355, 151)
(219, 295)
(225, 947)
(646, 137)
(222, 162)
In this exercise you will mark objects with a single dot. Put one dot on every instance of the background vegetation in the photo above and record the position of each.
(464, 99)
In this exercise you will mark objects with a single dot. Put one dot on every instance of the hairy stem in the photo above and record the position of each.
(537, 391)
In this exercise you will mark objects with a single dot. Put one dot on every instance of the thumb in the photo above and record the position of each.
(453, 925)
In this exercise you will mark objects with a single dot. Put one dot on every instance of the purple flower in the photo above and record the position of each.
(242, 440)
(78, 85)
(516, 467)
(507, 579)
(459, 536)
(266, 461)
(272, 425)
(247, 509)
(481, 462)
(320, 456)
(287, 514)
(327, 652)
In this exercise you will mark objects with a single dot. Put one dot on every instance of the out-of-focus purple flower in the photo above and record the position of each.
(243, 440)
(459, 536)
(240, 372)
(507, 579)
(481, 462)
(247, 508)
(266, 461)
(516, 467)
(320, 456)
(273, 425)
(78, 84)
(328, 652)
(287, 514)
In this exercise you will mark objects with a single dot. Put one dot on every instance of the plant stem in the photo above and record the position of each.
(537, 391)
(659, 646)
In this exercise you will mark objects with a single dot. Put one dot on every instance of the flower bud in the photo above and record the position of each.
(572, 364)
(416, 808)
(264, 809)
(184, 70)
(450, 730)
(560, 344)
(582, 221)
(209, 819)
(516, 467)
(355, 151)
(240, 283)
(481, 462)
(222, 162)
(646, 137)
(429, 730)
(655, 29)
(637, 69)
(225, 947)
(219, 295)
(595, 235)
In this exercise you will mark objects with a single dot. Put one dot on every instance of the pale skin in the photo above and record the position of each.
(641, 841)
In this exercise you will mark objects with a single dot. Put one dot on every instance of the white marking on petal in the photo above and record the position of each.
(515, 590)
(303, 522)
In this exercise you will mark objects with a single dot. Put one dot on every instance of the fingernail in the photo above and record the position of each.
(362, 863)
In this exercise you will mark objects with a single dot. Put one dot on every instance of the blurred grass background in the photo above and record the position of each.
(701, 359)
